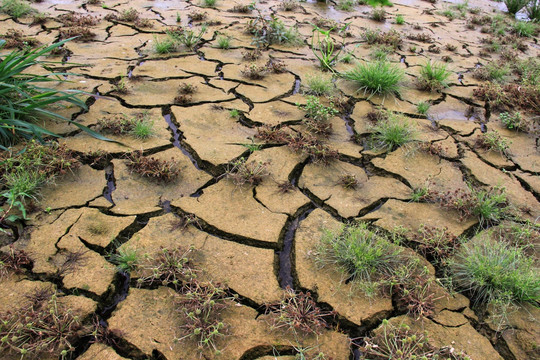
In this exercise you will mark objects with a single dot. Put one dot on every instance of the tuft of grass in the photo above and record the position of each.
(392, 132)
(533, 10)
(423, 107)
(376, 78)
(143, 129)
(514, 6)
(234, 113)
(348, 181)
(433, 76)
(240, 172)
(168, 267)
(495, 270)
(492, 72)
(378, 14)
(347, 58)
(317, 111)
(16, 8)
(318, 85)
(189, 38)
(209, 3)
(164, 46)
(224, 42)
(525, 28)
(346, 5)
(400, 19)
(126, 259)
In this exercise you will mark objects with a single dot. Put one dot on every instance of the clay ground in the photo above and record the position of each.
(257, 239)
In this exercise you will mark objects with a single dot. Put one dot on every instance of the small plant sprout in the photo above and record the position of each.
(400, 20)
(316, 111)
(347, 58)
(324, 49)
(178, 18)
(224, 42)
(168, 267)
(419, 194)
(318, 85)
(433, 77)
(376, 78)
(348, 181)
(378, 14)
(492, 140)
(234, 113)
(423, 107)
(241, 172)
(514, 121)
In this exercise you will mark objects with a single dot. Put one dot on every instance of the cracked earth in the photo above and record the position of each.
(257, 239)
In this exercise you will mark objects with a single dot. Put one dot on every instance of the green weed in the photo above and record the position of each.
(423, 107)
(318, 85)
(515, 6)
(391, 133)
(376, 78)
(400, 19)
(224, 42)
(16, 8)
(433, 77)
(126, 259)
(164, 46)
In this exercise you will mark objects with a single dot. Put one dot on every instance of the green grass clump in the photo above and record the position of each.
(209, 3)
(423, 107)
(126, 259)
(143, 129)
(164, 46)
(495, 270)
(317, 111)
(400, 20)
(533, 10)
(381, 52)
(514, 6)
(234, 113)
(16, 8)
(514, 121)
(346, 5)
(318, 85)
(224, 42)
(525, 28)
(392, 132)
(376, 78)
(364, 255)
(433, 76)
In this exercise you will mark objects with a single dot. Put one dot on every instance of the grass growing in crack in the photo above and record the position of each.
(495, 270)
(400, 19)
(164, 46)
(318, 85)
(492, 72)
(363, 255)
(201, 305)
(150, 167)
(169, 267)
(240, 172)
(269, 31)
(399, 342)
(435, 243)
(317, 111)
(13, 261)
(39, 328)
(224, 42)
(381, 52)
(189, 38)
(493, 141)
(139, 126)
(126, 259)
(423, 107)
(376, 78)
(298, 313)
(433, 76)
(490, 205)
(392, 132)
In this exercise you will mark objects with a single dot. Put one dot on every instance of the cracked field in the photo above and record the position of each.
(248, 181)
